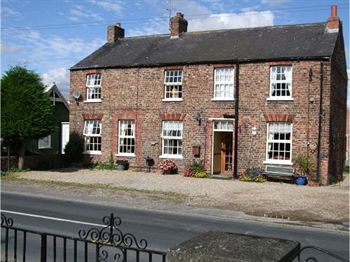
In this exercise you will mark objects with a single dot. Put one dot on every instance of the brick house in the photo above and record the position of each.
(233, 98)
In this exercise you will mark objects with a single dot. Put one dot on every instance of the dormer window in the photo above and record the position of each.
(173, 85)
(93, 88)
(280, 83)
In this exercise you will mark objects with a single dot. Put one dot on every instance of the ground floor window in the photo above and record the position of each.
(126, 137)
(45, 142)
(279, 142)
(172, 138)
(92, 136)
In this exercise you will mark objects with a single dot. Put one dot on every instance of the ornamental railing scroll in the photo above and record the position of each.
(5, 221)
(325, 254)
(112, 236)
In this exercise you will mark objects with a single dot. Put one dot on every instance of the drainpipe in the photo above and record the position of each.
(320, 126)
(235, 160)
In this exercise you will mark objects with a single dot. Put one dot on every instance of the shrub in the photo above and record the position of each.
(195, 170)
(253, 174)
(188, 172)
(74, 148)
(200, 174)
(303, 166)
(168, 167)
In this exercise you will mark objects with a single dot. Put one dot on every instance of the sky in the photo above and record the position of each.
(50, 36)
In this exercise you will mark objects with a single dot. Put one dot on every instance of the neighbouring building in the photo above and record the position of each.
(233, 98)
(347, 156)
(55, 142)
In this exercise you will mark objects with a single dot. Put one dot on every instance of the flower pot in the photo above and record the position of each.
(301, 180)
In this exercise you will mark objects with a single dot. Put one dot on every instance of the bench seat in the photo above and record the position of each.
(279, 172)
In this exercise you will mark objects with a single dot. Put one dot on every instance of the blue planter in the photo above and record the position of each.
(301, 180)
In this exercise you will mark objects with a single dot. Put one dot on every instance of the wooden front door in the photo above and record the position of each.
(226, 153)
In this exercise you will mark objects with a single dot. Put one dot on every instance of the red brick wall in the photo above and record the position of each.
(137, 93)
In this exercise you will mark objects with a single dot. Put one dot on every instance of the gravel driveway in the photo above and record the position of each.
(303, 203)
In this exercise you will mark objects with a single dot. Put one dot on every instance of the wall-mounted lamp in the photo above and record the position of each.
(199, 118)
(254, 131)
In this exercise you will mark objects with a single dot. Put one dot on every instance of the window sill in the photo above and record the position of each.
(222, 99)
(126, 155)
(93, 152)
(171, 156)
(172, 99)
(279, 99)
(93, 101)
(279, 162)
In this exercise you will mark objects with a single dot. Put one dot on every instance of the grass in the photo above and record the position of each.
(13, 177)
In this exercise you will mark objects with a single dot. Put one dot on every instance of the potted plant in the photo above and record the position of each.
(167, 167)
(253, 174)
(303, 169)
(122, 164)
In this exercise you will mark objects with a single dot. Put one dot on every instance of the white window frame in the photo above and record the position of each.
(224, 82)
(273, 81)
(87, 135)
(121, 130)
(176, 73)
(290, 141)
(42, 141)
(94, 87)
(165, 137)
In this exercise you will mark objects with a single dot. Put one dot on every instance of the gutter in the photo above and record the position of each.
(235, 153)
(242, 60)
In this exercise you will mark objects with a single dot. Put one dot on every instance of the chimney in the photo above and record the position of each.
(115, 32)
(333, 22)
(178, 25)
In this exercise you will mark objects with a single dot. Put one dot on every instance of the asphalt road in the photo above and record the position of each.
(162, 230)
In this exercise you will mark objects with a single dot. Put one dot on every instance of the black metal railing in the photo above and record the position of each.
(106, 244)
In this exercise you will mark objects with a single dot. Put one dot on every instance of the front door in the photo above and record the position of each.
(226, 153)
(222, 147)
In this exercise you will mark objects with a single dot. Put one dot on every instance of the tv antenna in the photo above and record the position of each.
(169, 10)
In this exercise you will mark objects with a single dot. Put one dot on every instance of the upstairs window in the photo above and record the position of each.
(92, 136)
(223, 84)
(281, 82)
(126, 137)
(172, 139)
(279, 142)
(93, 87)
(173, 85)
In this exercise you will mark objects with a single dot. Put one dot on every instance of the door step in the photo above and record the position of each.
(224, 177)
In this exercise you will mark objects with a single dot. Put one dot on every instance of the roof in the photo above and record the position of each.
(56, 95)
(233, 45)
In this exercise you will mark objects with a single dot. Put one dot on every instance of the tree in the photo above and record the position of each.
(26, 110)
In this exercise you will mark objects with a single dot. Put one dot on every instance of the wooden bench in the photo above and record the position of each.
(279, 172)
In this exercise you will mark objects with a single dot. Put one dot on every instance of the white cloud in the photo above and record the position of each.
(78, 13)
(59, 76)
(275, 2)
(7, 12)
(55, 51)
(9, 49)
(153, 27)
(231, 20)
(116, 6)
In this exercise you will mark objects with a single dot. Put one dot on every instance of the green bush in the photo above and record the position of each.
(197, 167)
(75, 148)
(200, 174)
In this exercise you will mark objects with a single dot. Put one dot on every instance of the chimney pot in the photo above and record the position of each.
(115, 32)
(334, 11)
